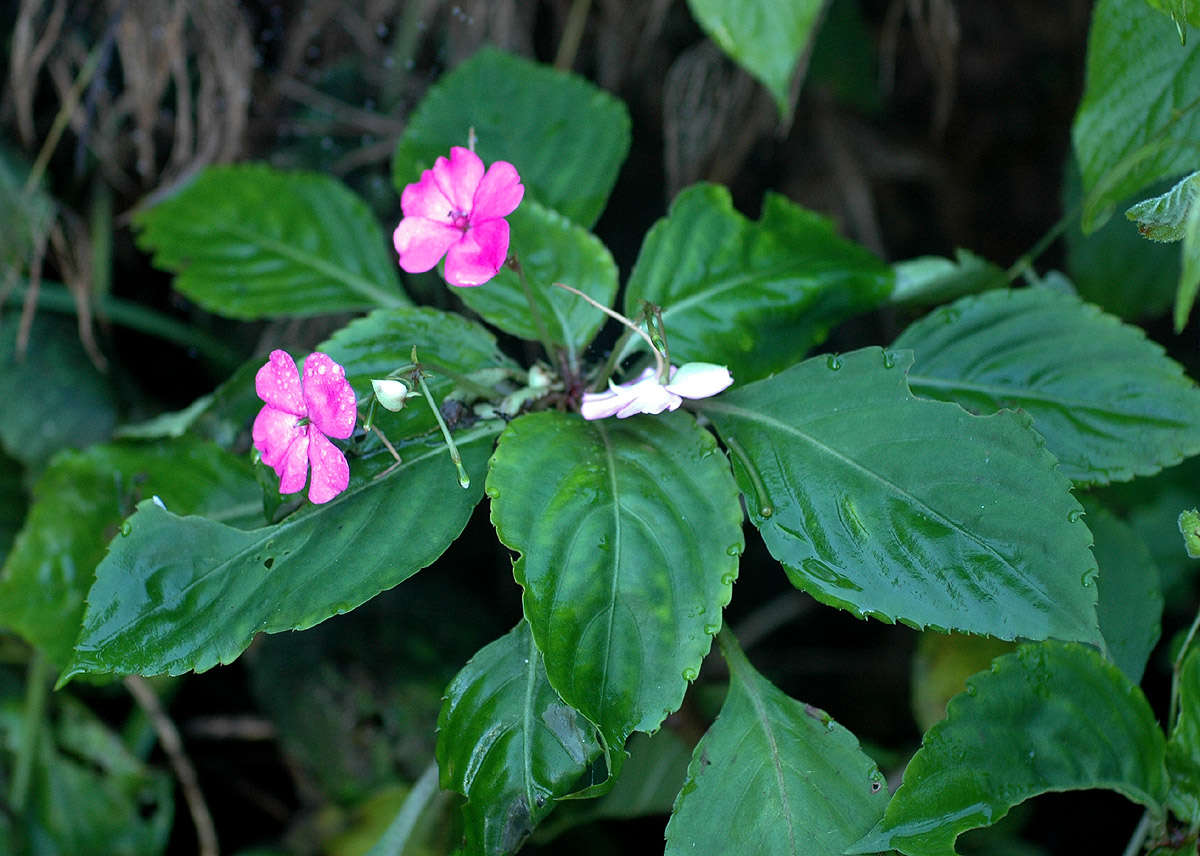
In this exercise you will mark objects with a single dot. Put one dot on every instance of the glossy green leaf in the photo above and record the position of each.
(765, 37)
(88, 795)
(181, 593)
(629, 533)
(1068, 366)
(55, 398)
(551, 249)
(447, 345)
(1183, 748)
(1138, 120)
(250, 241)
(566, 137)
(1182, 12)
(773, 777)
(754, 296)
(1163, 217)
(1050, 717)
(1130, 601)
(79, 502)
(509, 743)
(929, 280)
(906, 509)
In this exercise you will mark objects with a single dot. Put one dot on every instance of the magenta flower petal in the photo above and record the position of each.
(330, 472)
(274, 432)
(330, 400)
(278, 383)
(478, 255)
(421, 243)
(699, 380)
(293, 468)
(498, 194)
(459, 177)
(425, 199)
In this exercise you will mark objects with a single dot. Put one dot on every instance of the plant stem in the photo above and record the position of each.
(460, 380)
(1139, 836)
(36, 690)
(1175, 668)
(395, 840)
(56, 298)
(572, 35)
(658, 357)
(1025, 262)
(614, 358)
(535, 312)
(464, 480)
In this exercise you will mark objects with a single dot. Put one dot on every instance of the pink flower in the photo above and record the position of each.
(645, 394)
(292, 430)
(457, 211)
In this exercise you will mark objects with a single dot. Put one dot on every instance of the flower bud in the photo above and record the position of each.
(390, 393)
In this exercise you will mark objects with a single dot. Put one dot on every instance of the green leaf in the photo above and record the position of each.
(566, 138)
(551, 249)
(1050, 717)
(765, 37)
(1138, 120)
(907, 509)
(1162, 218)
(1183, 748)
(250, 241)
(1182, 12)
(509, 743)
(1109, 402)
(930, 280)
(1130, 601)
(629, 534)
(1189, 528)
(186, 593)
(753, 296)
(447, 344)
(773, 776)
(54, 397)
(78, 505)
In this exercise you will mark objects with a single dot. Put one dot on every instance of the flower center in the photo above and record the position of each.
(460, 221)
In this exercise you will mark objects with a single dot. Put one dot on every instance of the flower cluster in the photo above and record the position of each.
(457, 211)
(648, 394)
(292, 430)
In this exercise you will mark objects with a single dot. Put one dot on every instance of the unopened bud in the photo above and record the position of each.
(390, 393)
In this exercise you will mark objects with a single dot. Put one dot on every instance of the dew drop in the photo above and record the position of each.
(971, 690)
(766, 511)
(689, 675)
(1088, 577)
(733, 550)
(834, 362)
(1074, 516)
(727, 579)
(712, 629)
(889, 360)
(126, 527)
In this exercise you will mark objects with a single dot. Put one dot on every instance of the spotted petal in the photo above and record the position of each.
(274, 432)
(330, 472)
(293, 468)
(278, 383)
(332, 407)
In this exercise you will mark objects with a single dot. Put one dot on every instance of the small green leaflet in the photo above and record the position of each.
(1189, 527)
(1164, 217)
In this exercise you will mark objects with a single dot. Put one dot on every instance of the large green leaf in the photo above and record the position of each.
(905, 509)
(250, 241)
(753, 296)
(1130, 601)
(1109, 402)
(79, 502)
(629, 534)
(765, 37)
(1183, 748)
(773, 777)
(1138, 121)
(509, 743)
(54, 397)
(1050, 717)
(1182, 12)
(446, 344)
(186, 593)
(551, 249)
(566, 138)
